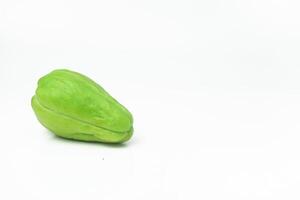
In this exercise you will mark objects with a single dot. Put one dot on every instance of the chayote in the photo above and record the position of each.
(73, 106)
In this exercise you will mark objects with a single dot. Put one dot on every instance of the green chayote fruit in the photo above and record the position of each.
(73, 106)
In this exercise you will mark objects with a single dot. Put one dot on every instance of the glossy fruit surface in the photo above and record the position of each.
(73, 106)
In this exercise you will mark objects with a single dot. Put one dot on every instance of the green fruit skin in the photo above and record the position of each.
(73, 106)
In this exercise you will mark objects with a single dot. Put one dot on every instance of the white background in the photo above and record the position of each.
(214, 88)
